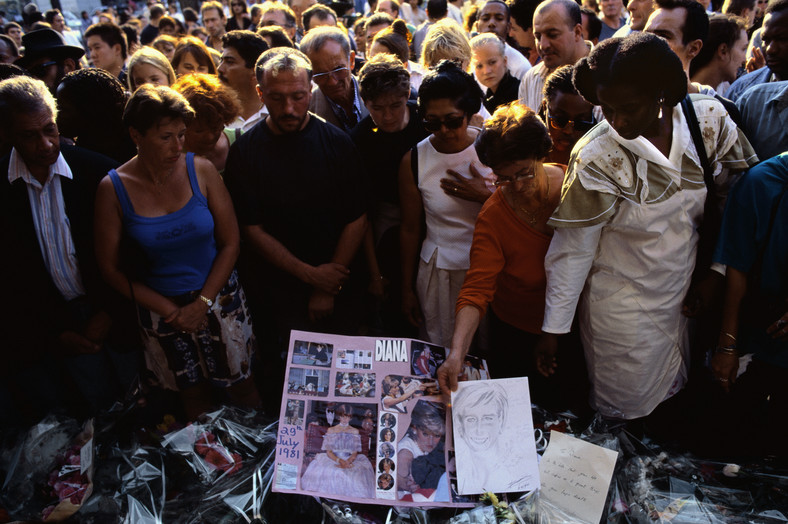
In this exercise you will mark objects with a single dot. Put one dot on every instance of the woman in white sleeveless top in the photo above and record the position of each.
(448, 97)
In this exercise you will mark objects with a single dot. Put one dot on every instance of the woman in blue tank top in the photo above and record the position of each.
(174, 211)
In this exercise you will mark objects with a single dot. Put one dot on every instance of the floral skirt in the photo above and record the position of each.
(220, 353)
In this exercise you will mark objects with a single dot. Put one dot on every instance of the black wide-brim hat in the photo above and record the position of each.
(49, 43)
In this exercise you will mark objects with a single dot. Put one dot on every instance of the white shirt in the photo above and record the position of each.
(455, 13)
(531, 86)
(246, 124)
(416, 74)
(517, 64)
(51, 223)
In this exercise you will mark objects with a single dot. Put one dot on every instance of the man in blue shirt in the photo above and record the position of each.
(764, 113)
(775, 33)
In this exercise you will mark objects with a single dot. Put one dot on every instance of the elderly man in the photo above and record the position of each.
(58, 316)
(494, 18)
(296, 183)
(214, 20)
(558, 30)
(336, 97)
(236, 69)
(48, 58)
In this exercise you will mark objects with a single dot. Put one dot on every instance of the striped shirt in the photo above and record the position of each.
(51, 223)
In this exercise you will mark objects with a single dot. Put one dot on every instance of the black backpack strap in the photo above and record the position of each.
(731, 108)
(414, 163)
(692, 121)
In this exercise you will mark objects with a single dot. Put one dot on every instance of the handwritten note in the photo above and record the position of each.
(288, 445)
(575, 476)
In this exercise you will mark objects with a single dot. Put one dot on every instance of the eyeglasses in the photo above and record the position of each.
(503, 181)
(451, 122)
(269, 23)
(580, 126)
(340, 73)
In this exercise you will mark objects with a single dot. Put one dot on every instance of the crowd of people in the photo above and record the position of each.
(587, 195)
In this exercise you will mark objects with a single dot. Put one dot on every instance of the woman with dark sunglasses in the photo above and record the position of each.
(567, 115)
(510, 241)
(448, 97)
(240, 18)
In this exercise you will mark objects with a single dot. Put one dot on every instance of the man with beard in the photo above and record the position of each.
(236, 69)
(48, 57)
(297, 185)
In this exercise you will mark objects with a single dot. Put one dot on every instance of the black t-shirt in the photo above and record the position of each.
(382, 153)
(507, 92)
(303, 188)
(148, 34)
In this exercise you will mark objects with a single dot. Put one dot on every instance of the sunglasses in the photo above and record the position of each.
(450, 122)
(340, 73)
(40, 70)
(580, 126)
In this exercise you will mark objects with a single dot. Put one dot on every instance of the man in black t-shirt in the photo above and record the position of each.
(297, 186)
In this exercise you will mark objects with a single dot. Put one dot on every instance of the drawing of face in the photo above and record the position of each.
(481, 428)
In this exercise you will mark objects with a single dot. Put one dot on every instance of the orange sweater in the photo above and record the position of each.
(507, 267)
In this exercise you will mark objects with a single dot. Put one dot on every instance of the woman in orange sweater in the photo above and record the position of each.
(510, 241)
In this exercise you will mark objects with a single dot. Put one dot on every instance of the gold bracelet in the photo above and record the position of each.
(728, 335)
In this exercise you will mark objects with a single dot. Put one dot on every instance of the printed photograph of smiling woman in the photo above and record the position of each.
(491, 422)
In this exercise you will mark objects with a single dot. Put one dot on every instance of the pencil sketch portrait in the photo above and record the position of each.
(488, 437)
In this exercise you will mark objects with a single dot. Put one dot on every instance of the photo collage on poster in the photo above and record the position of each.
(363, 420)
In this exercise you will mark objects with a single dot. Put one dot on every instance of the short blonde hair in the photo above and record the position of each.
(445, 39)
(486, 39)
(153, 57)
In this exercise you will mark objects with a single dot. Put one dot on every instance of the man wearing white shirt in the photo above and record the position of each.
(236, 69)
(57, 318)
(558, 31)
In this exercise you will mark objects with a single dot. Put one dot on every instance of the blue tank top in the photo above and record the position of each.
(180, 247)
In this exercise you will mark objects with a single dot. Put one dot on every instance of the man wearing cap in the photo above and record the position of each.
(48, 57)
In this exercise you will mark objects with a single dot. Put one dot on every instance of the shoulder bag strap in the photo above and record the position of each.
(697, 139)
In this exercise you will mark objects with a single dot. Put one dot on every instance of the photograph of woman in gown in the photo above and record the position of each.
(342, 469)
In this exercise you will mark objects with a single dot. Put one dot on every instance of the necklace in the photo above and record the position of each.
(158, 184)
(533, 216)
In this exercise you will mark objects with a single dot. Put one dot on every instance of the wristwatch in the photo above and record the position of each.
(208, 301)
